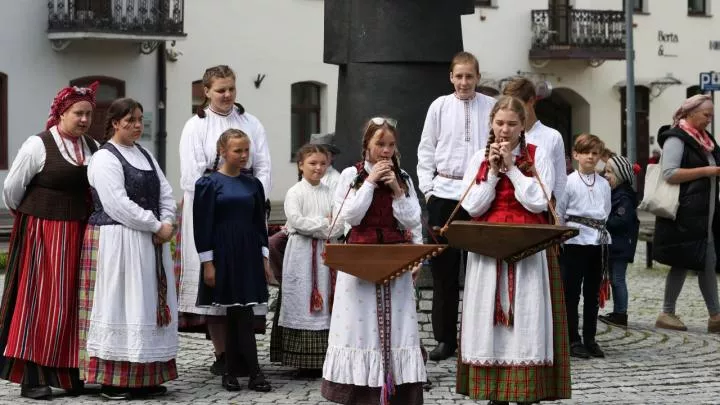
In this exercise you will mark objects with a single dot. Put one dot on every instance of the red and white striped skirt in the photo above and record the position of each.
(39, 310)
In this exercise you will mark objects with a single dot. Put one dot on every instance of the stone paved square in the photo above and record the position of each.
(643, 365)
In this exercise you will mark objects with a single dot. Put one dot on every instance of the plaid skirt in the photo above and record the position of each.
(94, 370)
(38, 313)
(529, 383)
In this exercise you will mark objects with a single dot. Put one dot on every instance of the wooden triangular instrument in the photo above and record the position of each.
(378, 263)
(508, 242)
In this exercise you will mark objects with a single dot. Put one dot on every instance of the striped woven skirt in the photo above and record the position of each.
(297, 347)
(39, 309)
(529, 383)
(95, 370)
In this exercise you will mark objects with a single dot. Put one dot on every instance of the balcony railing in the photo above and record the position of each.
(564, 33)
(135, 19)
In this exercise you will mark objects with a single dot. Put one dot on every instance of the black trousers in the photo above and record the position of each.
(446, 274)
(241, 347)
(582, 268)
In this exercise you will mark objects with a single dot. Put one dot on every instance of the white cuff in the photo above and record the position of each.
(265, 252)
(206, 256)
(368, 183)
(514, 174)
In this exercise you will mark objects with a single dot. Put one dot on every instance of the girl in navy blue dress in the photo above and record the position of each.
(231, 238)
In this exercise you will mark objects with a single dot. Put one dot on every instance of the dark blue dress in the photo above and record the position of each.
(229, 216)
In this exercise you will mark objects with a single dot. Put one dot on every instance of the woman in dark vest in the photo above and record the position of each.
(374, 354)
(128, 305)
(690, 158)
(47, 191)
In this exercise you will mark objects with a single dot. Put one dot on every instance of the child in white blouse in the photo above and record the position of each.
(307, 283)
(586, 205)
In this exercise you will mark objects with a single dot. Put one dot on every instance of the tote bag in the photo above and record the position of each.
(661, 198)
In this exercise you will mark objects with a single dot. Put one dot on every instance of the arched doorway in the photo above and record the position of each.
(566, 111)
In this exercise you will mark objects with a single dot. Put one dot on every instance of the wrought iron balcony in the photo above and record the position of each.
(138, 20)
(564, 33)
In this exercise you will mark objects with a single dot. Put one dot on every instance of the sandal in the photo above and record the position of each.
(259, 383)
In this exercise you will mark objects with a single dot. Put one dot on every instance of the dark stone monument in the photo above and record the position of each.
(394, 58)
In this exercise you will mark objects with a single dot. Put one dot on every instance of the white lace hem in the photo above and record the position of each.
(132, 343)
(363, 367)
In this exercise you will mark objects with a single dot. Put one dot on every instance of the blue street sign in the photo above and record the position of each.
(709, 81)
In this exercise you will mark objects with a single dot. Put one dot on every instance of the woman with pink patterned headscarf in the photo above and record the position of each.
(48, 192)
(691, 159)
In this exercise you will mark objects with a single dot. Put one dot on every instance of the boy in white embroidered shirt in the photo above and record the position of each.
(586, 205)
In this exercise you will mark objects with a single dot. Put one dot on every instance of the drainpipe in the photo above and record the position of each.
(630, 115)
(161, 136)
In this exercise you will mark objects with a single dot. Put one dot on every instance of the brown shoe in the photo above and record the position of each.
(713, 325)
(670, 321)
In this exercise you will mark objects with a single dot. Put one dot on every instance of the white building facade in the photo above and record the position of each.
(276, 50)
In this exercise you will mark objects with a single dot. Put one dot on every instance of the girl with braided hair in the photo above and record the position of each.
(199, 157)
(374, 353)
(128, 305)
(231, 236)
(507, 337)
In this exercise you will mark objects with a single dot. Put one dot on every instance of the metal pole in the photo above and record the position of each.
(161, 137)
(712, 123)
(630, 115)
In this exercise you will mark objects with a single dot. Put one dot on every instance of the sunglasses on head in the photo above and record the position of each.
(382, 120)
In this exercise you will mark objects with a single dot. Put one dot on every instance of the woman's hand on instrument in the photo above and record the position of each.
(494, 157)
(507, 157)
(209, 274)
(416, 270)
(379, 171)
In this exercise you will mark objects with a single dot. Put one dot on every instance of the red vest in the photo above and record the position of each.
(379, 225)
(505, 208)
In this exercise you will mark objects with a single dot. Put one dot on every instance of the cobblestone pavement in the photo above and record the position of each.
(643, 365)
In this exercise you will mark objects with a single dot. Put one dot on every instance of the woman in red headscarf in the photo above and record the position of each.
(47, 191)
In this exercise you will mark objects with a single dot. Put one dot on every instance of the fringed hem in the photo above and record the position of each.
(362, 367)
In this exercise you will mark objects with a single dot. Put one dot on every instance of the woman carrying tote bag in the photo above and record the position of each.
(690, 158)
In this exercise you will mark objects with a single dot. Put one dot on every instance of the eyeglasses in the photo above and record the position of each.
(382, 120)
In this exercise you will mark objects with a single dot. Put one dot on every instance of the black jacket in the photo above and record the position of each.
(683, 242)
(623, 223)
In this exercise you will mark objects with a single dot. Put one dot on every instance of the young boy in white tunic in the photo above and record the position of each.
(586, 205)
(307, 286)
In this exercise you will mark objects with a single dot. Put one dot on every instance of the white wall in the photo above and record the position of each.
(283, 41)
(502, 41)
(36, 72)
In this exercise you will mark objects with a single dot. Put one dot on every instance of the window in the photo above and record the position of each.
(109, 90)
(3, 122)
(697, 7)
(90, 10)
(639, 6)
(198, 95)
(305, 113)
(484, 3)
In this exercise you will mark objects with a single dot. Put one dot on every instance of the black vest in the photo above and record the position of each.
(683, 242)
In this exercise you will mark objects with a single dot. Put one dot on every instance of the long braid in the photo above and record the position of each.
(398, 173)
(217, 161)
(528, 164)
(490, 141)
